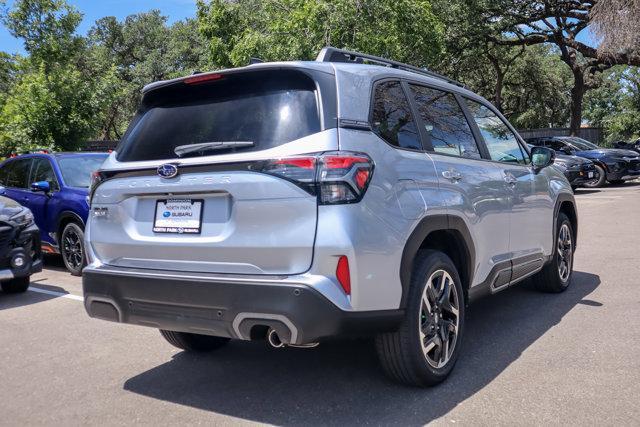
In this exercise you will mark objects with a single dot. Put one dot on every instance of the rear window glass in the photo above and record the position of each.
(77, 170)
(264, 108)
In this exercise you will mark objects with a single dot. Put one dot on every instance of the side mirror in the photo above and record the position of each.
(41, 186)
(541, 157)
(566, 150)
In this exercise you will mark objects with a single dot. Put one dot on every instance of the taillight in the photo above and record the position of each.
(96, 179)
(336, 177)
(343, 275)
(343, 177)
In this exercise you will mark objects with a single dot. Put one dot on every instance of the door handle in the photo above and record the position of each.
(452, 175)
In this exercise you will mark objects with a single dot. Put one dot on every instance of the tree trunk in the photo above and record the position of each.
(577, 93)
(498, 92)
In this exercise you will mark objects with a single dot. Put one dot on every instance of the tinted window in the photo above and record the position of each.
(4, 170)
(445, 122)
(266, 108)
(555, 144)
(580, 144)
(18, 174)
(502, 144)
(392, 118)
(43, 171)
(77, 170)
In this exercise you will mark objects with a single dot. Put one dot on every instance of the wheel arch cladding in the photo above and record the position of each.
(445, 233)
(566, 205)
(65, 218)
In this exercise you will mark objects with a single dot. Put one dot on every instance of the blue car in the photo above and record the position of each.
(612, 165)
(55, 187)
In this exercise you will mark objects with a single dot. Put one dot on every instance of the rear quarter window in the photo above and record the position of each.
(268, 108)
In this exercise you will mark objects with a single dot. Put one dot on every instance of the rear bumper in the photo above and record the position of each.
(224, 306)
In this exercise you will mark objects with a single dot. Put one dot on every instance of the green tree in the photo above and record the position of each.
(52, 99)
(140, 49)
(615, 104)
(47, 28)
(557, 22)
(54, 109)
(406, 30)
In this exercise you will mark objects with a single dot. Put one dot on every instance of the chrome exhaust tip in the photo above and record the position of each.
(273, 339)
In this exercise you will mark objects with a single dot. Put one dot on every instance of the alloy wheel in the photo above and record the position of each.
(439, 319)
(72, 247)
(564, 252)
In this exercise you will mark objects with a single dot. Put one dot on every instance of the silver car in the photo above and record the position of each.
(297, 201)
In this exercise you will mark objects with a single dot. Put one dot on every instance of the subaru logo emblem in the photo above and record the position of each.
(167, 170)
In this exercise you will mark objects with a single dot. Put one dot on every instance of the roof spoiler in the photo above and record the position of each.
(332, 54)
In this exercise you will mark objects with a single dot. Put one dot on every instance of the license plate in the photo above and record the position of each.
(590, 174)
(178, 216)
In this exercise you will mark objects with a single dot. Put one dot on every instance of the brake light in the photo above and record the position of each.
(337, 177)
(343, 177)
(202, 78)
(343, 275)
(96, 179)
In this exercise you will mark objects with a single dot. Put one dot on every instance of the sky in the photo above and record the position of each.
(92, 10)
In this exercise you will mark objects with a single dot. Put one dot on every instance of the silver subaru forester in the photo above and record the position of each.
(297, 201)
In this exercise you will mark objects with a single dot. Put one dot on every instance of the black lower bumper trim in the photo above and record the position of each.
(299, 313)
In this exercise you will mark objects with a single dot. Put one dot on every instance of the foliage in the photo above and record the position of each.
(141, 49)
(616, 23)
(52, 109)
(615, 104)
(47, 28)
(523, 56)
(406, 30)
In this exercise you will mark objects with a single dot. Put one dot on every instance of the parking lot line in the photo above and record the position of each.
(58, 294)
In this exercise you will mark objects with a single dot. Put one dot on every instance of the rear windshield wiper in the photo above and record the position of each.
(181, 150)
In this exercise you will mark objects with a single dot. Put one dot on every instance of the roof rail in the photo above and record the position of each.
(332, 54)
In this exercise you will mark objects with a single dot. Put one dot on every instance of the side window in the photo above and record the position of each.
(445, 122)
(43, 171)
(502, 144)
(18, 175)
(555, 144)
(4, 170)
(392, 118)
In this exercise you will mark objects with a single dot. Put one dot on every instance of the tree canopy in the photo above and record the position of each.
(527, 57)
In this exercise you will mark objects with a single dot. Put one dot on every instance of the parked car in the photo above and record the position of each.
(297, 201)
(20, 255)
(577, 170)
(55, 187)
(635, 146)
(612, 164)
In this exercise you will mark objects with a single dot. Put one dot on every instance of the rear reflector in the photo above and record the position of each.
(343, 275)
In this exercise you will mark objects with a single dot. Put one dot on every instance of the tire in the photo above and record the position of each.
(599, 181)
(552, 278)
(16, 286)
(413, 355)
(72, 248)
(194, 342)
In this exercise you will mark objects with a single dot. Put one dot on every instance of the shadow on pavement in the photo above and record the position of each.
(27, 298)
(54, 262)
(582, 190)
(341, 383)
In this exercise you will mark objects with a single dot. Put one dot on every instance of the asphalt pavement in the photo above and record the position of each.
(527, 359)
